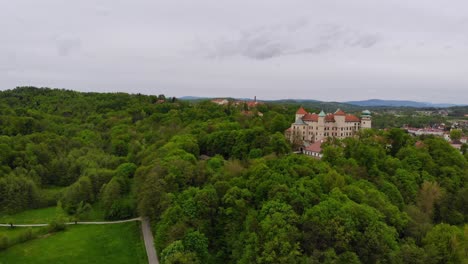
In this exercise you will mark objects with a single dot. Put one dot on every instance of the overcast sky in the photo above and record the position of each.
(333, 50)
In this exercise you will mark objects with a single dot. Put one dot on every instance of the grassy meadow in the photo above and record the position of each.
(117, 243)
(46, 215)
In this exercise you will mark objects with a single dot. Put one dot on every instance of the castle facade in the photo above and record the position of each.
(311, 127)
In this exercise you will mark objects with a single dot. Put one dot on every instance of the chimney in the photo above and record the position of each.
(255, 98)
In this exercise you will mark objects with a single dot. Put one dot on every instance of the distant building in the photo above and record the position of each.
(251, 113)
(254, 103)
(311, 127)
(447, 136)
(220, 101)
(425, 131)
(464, 140)
(314, 149)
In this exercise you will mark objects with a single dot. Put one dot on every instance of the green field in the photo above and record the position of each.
(36, 216)
(11, 233)
(46, 215)
(116, 243)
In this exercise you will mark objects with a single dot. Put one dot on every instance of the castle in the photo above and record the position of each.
(311, 127)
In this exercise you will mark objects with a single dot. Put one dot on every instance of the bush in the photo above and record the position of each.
(121, 209)
(4, 243)
(26, 235)
(57, 225)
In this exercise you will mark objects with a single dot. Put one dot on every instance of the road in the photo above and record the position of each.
(149, 241)
(145, 229)
(77, 223)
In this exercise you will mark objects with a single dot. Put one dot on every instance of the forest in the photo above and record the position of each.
(222, 185)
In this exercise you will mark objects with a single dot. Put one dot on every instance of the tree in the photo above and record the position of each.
(398, 138)
(442, 244)
(279, 144)
(428, 195)
(152, 198)
(412, 254)
(279, 124)
(17, 193)
(176, 253)
(198, 243)
(80, 191)
(126, 170)
(455, 134)
(278, 237)
(347, 226)
(82, 212)
(111, 194)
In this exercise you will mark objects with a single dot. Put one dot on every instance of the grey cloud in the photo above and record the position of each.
(65, 46)
(288, 39)
(319, 48)
(335, 46)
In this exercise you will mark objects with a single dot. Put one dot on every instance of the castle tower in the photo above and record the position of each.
(340, 117)
(366, 119)
(300, 113)
(321, 126)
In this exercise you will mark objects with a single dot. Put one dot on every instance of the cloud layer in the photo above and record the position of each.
(320, 49)
(290, 39)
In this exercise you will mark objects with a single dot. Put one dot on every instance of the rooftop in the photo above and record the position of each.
(315, 147)
(301, 111)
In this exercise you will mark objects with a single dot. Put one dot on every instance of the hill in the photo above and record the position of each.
(397, 103)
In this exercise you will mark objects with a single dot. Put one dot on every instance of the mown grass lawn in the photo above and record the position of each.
(12, 232)
(46, 215)
(116, 243)
(35, 216)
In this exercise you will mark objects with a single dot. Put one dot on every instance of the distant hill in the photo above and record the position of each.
(396, 103)
(191, 98)
(316, 105)
(354, 105)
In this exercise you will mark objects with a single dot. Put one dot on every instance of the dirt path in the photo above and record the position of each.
(149, 241)
(77, 223)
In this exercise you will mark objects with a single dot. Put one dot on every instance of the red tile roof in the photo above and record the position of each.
(315, 147)
(251, 104)
(340, 112)
(330, 118)
(310, 117)
(301, 111)
(352, 118)
(419, 144)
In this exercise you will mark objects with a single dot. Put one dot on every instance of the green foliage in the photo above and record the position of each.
(176, 253)
(197, 242)
(79, 192)
(13, 236)
(222, 186)
(126, 170)
(17, 193)
(442, 242)
(456, 134)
